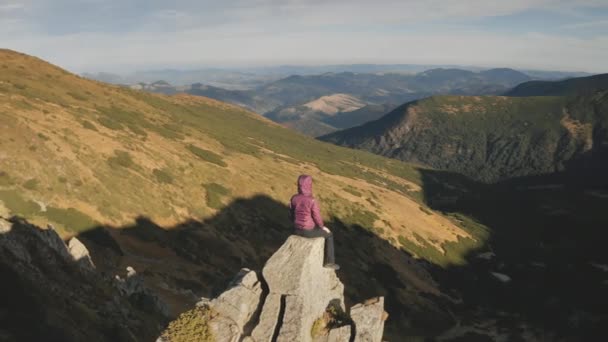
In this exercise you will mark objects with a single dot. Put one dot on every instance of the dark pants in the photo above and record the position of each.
(329, 241)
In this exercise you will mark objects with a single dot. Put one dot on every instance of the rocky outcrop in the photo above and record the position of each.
(132, 286)
(368, 319)
(236, 306)
(80, 254)
(293, 294)
(52, 292)
(296, 277)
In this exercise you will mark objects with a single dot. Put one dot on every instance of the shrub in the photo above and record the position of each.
(89, 125)
(135, 129)
(109, 123)
(208, 156)
(214, 194)
(5, 179)
(31, 184)
(351, 190)
(162, 176)
(425, 210)
(121, 159)
(77, 96)
(333, 317)
(191, 325)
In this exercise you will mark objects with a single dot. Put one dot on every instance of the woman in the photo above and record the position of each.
(306, 216)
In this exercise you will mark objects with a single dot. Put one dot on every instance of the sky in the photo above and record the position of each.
(122, 35)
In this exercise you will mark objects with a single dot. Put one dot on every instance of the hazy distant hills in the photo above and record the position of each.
(490, 138)
(287, 100)
(281, 92)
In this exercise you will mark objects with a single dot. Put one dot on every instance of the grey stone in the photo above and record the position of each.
(54, 241)
(294, 325)
(368, 319)
(224, 329)
(80, 254)
(341, 334)
(268, 318)
(296, 271)
(300, 290)
(240, 301)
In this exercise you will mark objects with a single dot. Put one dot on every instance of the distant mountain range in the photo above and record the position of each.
(491, 138)
(287, 100)
(249, 77)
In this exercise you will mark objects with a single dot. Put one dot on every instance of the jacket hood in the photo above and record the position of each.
(305, 185)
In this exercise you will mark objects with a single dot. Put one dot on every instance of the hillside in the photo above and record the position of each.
(571, 86)
(327, 114)
(488, 138)
(151, 171)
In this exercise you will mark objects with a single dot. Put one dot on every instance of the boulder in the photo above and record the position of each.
(368, 319)
(80, 254)
(294, 291)
(296, 275)
(341, 334)
(236, 306)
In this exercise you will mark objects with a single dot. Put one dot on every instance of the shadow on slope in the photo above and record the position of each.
(46, 295)
(547, 234)
(198, 258)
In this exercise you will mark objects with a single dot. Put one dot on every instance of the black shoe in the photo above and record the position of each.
(333, 266)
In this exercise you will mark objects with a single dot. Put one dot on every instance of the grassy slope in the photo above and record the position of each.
(487, 138)
(77, 153)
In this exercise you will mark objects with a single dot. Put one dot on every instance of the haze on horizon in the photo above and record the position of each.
(115, 36)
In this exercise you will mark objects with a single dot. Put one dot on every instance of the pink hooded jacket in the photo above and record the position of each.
(303, 209)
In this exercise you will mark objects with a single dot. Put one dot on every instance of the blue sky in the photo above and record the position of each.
(121, 35)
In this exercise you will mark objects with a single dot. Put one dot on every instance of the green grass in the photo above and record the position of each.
(359, 215)
(70, 219)
(121, 159)
(214, 194)
(351, 190)
(77, 96)
(31, 184)
(207, 156)
(163, 176)
(5, 179)
(18, 205)
(111, 124)
(89, 125)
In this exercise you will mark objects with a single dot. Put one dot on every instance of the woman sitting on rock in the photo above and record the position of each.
(306, 216)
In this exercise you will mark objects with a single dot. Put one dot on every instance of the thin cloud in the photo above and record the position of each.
(94, 34)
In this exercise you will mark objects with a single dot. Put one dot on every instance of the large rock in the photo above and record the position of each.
(236, 306)
(295, 273)
(295, 290)
(368, 319)
(341, 334)
(80, 254)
